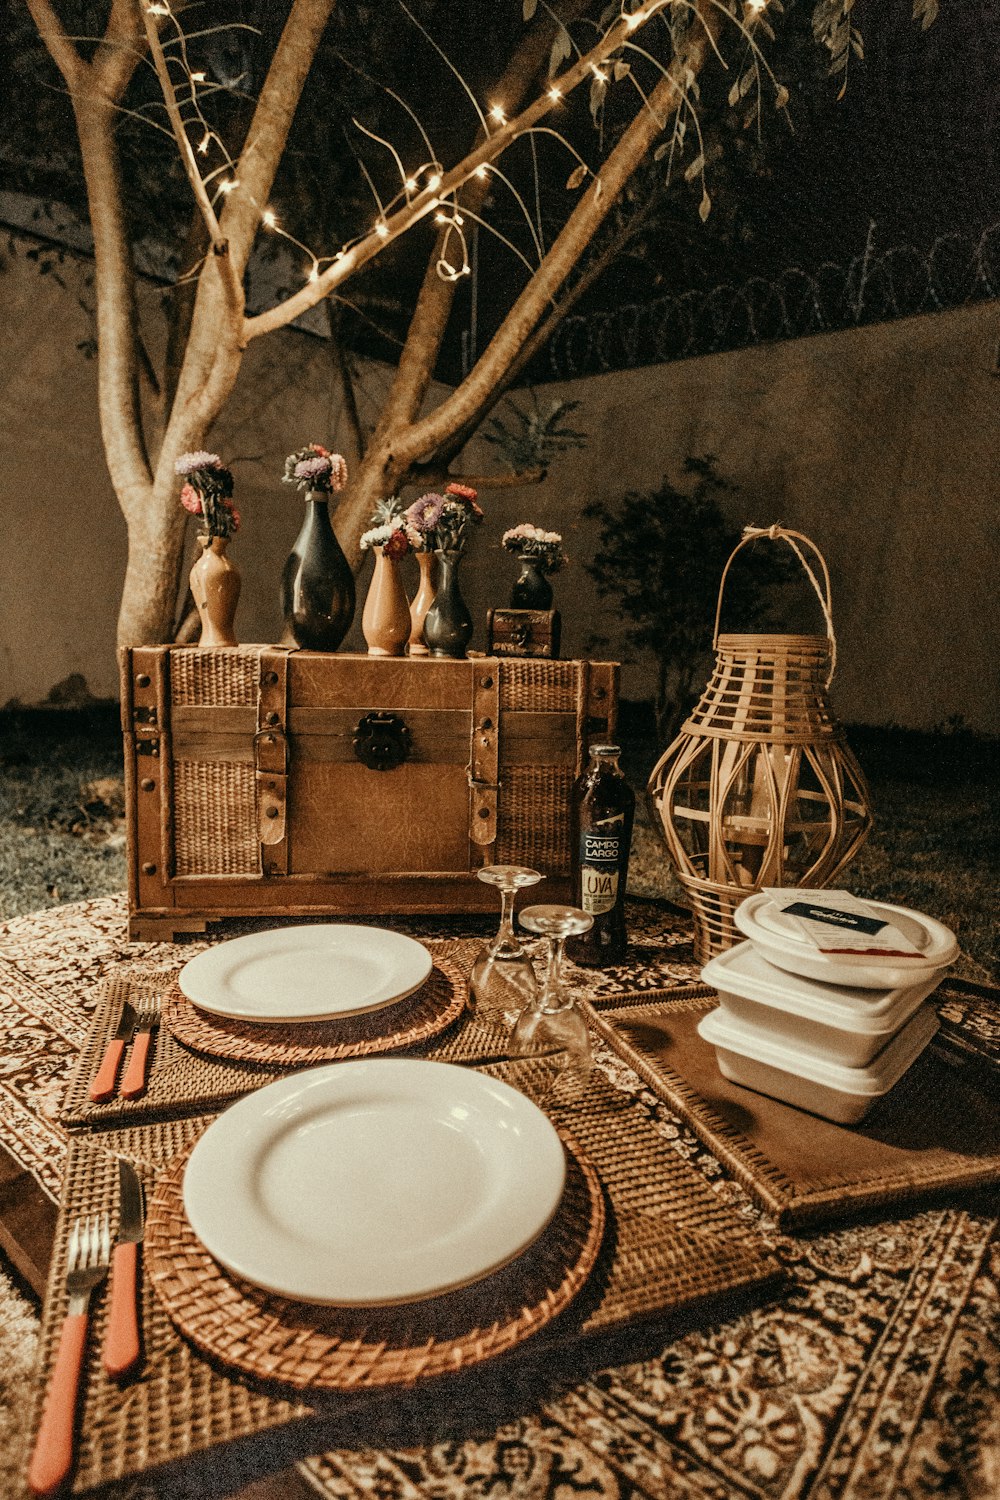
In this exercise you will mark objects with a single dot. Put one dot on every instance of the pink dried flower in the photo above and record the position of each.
(464, 491)
(191, 500)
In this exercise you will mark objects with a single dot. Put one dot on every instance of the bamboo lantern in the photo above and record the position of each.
(760, 787)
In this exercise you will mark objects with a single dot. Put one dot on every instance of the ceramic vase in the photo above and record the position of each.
(532, 590)
(385, 623)
(448, 626)
(215, 588)
(422, 601)
(317, 585)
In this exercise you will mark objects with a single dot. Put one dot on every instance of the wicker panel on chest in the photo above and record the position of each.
(262, 781)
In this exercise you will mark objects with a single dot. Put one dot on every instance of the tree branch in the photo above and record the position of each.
(65, 56)
(428, 199)
(432, 475)
(114, 275)
(188, 162)
(345, 380)
(430, 318)
(472, 395)
(272, 120)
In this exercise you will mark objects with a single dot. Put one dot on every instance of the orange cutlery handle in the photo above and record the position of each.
(52, 1459)
(121, 1342)
(134, 1082)
(103, 1086)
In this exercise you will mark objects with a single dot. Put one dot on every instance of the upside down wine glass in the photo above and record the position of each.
(551, 1024)
(502, 977)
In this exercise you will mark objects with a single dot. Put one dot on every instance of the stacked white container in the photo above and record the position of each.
(828, 1033)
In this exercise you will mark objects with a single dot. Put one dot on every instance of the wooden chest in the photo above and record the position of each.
(261, 781)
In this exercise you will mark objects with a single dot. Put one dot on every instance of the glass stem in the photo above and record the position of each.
(553, 998)
(506, 941)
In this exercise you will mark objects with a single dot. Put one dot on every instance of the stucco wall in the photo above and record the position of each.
(877, 443)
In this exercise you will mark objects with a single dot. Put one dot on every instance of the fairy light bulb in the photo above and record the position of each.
(555, 95)
(410, 184)
(198, 77)
(496, 113)
(481, 173)
(204, 143)
(434, 181)
(313, 274)
(269, 218)
(382, 230)
(229, 184)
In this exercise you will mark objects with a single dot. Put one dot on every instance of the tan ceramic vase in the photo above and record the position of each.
(385, 623)
(423, 599)
(215, 588)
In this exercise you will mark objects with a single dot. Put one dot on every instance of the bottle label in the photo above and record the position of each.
(599, 869)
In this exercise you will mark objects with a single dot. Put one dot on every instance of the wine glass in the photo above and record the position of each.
(551, 1024)
(502, 977)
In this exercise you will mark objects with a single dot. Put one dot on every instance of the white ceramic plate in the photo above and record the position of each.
(311, 973)
(381, 1180)
(777, 937)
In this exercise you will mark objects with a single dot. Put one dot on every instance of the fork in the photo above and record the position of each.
(88, 1256)
(148, 1018)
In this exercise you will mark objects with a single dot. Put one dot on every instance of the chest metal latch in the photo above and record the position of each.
(382, 741)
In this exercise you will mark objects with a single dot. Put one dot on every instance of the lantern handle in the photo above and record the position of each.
(793, 538)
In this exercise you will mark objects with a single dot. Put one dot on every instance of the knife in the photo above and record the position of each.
(103, 1086)
(121, 1342)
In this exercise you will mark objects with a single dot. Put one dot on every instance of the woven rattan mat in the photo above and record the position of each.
(938, 1129)
(182, 1081)
(343, 1349)
(415, 1019)
(670, 1244)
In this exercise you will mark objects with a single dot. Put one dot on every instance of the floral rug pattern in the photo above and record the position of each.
(876, 1376)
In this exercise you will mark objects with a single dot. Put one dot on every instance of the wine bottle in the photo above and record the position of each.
(603, 810)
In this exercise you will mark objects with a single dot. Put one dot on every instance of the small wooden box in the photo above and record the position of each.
(523, 632)
(266, 782)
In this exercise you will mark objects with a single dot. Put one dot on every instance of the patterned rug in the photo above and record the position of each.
(876, 1376)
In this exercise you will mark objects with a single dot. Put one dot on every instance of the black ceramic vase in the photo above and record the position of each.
(317, 585)
(448, 626)
(532, 590)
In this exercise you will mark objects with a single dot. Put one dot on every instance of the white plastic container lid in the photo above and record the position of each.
(746, 972)
(761, 920)
(808, 1081)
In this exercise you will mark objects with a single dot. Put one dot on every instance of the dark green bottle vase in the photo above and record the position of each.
(448, 626)
(317, 585)
(532, 590)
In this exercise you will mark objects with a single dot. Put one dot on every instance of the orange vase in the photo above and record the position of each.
(422, 601)
(385, 623)
(215, 588)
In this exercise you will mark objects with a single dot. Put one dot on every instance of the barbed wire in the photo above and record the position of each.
(874, 287)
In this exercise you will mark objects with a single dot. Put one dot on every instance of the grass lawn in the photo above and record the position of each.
(936, 844)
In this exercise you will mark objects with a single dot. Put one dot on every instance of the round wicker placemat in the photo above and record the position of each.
(416, 1018)
(307, 1347)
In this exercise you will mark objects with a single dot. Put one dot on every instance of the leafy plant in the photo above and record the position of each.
(537, 436)
(660, 559)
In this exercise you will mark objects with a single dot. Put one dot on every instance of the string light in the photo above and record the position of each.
(601, 77)
(434, 181)
(635, 19)
(269, 218)
(496, 113)
(481, 173)
(441, 218)
(410, 184)
(228, 185)
(382, 230)
(555, 95)
(314, 273)
(159, 9)
(204, 143)
(198, 77)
